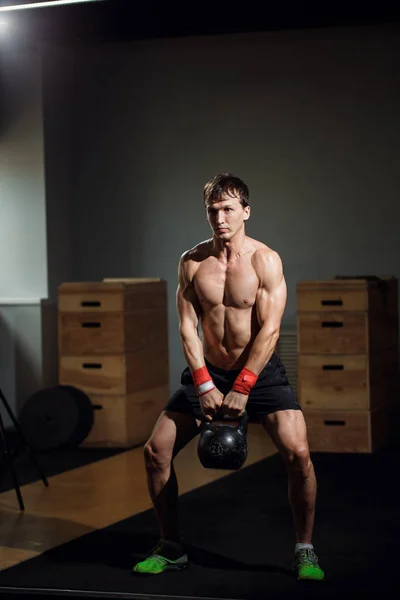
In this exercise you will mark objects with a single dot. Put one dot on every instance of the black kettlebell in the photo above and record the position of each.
(223, 442)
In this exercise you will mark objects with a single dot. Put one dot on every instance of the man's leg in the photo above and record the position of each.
(172, 432)
(287, 429)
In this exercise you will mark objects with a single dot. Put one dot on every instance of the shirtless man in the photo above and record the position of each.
(234, 287)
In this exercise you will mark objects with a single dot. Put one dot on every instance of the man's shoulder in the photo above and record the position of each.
(197, 253)
(265, 258)
(262, 251)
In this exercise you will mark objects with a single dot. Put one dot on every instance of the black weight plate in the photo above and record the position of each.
(86, 417)
(49, 418)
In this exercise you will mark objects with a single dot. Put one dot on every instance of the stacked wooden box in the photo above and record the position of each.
(348, 361)
(113, 345)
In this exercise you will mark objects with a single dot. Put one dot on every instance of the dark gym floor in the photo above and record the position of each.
(239, 537)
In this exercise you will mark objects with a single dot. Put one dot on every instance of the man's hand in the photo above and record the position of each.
(234, 404)
(210, 403)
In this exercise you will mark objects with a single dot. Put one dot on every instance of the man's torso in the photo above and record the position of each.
(227, 296)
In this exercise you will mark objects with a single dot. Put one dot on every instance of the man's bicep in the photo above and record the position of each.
(187, 305)
(272, 294)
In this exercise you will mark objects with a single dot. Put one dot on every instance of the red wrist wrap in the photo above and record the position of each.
(202, 381)
(245, 381)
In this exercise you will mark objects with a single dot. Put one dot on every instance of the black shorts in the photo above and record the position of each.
(271, 393)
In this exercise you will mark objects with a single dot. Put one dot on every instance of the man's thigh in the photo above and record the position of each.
(172, 432)
(287, 429)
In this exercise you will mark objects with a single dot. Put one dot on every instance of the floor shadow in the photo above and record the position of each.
(52, 463)
(15, 523)
(212, 560)
(121, 550)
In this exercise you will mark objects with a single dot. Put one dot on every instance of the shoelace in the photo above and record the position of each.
(308, 556)
(158, 559)
(157, 553)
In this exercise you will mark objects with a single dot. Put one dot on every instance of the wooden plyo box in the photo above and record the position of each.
(125, 420)
(348, 360)
(360, 431)
(113, 345)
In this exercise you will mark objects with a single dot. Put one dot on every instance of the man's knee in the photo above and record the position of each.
(157, 456)
(170, 435)
(298, 460)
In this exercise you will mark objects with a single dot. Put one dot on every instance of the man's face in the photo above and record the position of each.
(226, 216)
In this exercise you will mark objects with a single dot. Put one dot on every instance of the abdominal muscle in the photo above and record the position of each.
(228, 335)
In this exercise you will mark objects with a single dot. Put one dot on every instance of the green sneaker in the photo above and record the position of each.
(164, 557)
(306, 565)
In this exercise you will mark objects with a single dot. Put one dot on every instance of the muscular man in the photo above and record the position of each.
(234, 287)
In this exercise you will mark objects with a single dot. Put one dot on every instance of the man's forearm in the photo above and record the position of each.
(192, 347)
(193, 351)
(262, 350)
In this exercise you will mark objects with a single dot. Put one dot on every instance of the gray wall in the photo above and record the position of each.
(23, 244)
(23, 250)
(58, 132)
(36, 136)
(21, 357)
(309, 120)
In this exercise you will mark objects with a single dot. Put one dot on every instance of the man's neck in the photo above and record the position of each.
(235, 248)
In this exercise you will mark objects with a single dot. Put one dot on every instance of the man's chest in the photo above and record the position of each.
(233, 285)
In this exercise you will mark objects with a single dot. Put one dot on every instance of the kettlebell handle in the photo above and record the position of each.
(243, 420)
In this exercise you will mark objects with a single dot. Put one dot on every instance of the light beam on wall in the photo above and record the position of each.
(44, 4)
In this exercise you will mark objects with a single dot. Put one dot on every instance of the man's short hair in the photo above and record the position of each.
(225, 183)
